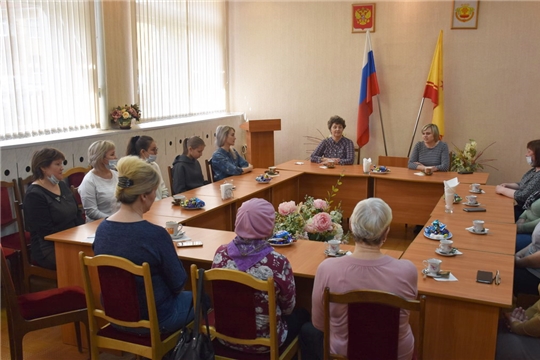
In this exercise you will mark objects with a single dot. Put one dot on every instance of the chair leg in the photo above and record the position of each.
(78, 335)
(15, 346)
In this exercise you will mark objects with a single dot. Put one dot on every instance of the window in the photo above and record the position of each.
(47, 67)
(182, 56)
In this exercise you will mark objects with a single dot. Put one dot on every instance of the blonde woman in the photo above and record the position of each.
(430, 152)
(128, 235)
(226, 161)
(99, 184)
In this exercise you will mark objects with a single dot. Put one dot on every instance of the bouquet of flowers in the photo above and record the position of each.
(124, 115)
(313, 219)
(468, 159)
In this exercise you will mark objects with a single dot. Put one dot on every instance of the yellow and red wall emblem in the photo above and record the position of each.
(464, 13)
(363, 17)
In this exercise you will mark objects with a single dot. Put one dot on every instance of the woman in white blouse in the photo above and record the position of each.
(99, 184)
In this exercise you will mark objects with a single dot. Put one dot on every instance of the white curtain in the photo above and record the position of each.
(182, 52)
(47, 67)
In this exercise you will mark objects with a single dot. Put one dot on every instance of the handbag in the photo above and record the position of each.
(193, 344)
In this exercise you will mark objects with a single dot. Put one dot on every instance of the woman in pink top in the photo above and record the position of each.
(366, 268)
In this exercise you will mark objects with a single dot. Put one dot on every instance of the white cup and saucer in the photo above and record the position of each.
(433, 267)
(178, 199)
(472, 200)
(478, 227)
(475, 188)
(174, 229)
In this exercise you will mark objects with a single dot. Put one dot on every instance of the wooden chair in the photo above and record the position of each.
(29, 269)
(40, 310)
(169, 171)
(23, 185)
(395, 161)
(232, 292)
(373, 323)
(74, 177)
(121, 307)
(209, 172)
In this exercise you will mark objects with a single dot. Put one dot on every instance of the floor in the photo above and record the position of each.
(47, 344)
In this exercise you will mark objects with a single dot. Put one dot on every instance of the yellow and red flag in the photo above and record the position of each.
(434, 87)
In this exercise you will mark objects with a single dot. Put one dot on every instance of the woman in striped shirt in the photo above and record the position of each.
(430, 152)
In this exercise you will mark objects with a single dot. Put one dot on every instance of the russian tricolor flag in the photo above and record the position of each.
(369, 87)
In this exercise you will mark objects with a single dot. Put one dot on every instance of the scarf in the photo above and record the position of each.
(247, 253)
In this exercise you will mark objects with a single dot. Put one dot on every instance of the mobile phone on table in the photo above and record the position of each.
(484, 277)
(476, 209)
(189, 243)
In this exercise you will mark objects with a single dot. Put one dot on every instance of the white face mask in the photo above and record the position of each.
(529, 160)
(112, 164)
(53, 180)
(151, 158)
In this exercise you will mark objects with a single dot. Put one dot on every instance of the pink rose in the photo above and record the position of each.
(320, 204)
(320, 223)
(286, 208)
(116, 114)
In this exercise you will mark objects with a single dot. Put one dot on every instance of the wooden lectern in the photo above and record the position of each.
(260, 141)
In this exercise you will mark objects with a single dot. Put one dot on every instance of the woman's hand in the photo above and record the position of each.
(247, 169)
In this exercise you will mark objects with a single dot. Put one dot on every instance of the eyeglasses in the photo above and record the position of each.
(497, 278)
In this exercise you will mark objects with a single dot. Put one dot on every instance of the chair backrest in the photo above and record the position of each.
(75, 176)
(9, 289)
(23, 185)
(396, 161)
(78, 199)
(373, 323)
(169, 171)
(119, 293)
(232, 292)
(8, 195)
(209, 172)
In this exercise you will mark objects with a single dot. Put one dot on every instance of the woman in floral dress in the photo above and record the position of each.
(250, 252)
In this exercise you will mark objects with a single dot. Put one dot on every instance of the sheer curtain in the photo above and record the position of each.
(182, 52)
(47, 67)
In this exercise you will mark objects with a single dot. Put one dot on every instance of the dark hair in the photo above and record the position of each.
(534, 146)
(138, 143)
(336, 120)
(43, 158)
(192, 142)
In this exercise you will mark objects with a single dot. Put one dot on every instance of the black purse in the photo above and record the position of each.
(194, 345)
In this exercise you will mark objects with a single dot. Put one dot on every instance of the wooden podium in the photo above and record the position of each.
(260, 141)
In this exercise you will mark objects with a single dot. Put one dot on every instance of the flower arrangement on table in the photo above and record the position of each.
(314, 219)
(468, 159)
(124, 115)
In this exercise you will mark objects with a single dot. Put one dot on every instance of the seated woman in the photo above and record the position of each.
(99, 184)
(528, 220)
(225, 160)
(530, 182)
(336, 147)
(519, 334)
(49, 205)
(527, 266)
(187, 173)
(250, 252)
(366, 268)
(430, 152)
(128, 235)
(145, 147)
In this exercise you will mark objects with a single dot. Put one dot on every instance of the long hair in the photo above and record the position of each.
(138, 143)
(192, 142)
(222, 132)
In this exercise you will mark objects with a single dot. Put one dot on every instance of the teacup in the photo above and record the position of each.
(330, 164)
(178, 199)
(333, 246)
(174, 228)
(428, 170)
(472, 199)
(478, 226)
(475, 187)
(433, 266)
(445, 246)
(272, 170)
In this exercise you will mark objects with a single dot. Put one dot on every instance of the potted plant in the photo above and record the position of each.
(123, 115)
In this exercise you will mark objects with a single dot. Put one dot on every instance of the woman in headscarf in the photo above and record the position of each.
(250, 252)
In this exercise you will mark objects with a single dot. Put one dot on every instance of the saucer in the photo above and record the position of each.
(477, 192)
(452, 252)
(471, 230)
(424, 271)
(180, 237)
(473, 205)
(438, 237)
(340, 253)
(380, 172)
(275, 242)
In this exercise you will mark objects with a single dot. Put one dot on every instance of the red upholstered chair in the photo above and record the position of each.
(40, 310)
(121, 307)
(373, 321)
(74, 177)
(233, 319)
(23, 185)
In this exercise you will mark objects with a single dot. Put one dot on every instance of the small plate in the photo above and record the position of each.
(471, 230)
(424, 271)
(431, 236)
(176, 203)
(340, 253)
(453, 252)
(472, 205)
(477, 192)
(180, 237)
(380, 172)
(272, 175)
(279, 245)
(263, 181)
(192, 208)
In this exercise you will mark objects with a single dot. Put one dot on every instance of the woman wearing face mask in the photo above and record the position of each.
(336, 148)
(99, 184)
(226, 161)
(146, 148)
(431, 152)
(530, 182)
(187, 173)
(49, 205)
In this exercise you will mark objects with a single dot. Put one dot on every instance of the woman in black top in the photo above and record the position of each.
(49, 205)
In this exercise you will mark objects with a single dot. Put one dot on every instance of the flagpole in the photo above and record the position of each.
(382, 126)
(416, 125)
